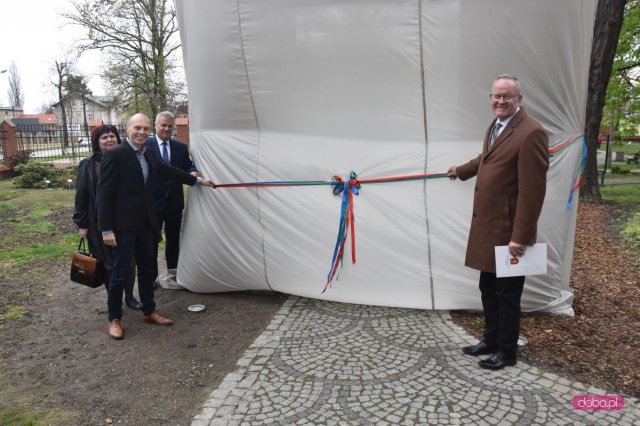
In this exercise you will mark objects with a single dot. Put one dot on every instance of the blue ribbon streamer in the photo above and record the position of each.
(580, 169)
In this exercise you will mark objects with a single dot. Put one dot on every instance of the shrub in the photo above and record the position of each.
(619, 170)
(34, 174)
(62, 180)
(20, 157)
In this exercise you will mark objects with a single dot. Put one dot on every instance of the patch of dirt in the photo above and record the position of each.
(599, 345)
(60, 218)
(6, 214)
(59, 365)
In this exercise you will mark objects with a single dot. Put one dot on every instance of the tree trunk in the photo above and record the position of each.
(62, 71)
(65, 132)
(606, 31)
(86, 123)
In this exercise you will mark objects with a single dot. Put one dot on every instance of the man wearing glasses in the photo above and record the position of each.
(510, 188)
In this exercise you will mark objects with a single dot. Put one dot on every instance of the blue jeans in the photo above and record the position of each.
(139, 245)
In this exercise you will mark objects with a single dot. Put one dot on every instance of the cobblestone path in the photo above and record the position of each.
(332, 363)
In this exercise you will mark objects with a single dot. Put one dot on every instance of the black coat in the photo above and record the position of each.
(85, 214)
(124, 202)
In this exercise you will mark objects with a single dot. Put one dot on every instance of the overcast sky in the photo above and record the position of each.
(33, 34)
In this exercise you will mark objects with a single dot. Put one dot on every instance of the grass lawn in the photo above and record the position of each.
(627, 199)
(23, 198)
(629, 148)
(36, 207)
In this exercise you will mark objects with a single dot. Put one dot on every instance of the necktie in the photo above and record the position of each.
(165, 153)
(494, 133)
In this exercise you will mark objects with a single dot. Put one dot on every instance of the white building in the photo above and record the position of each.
(97, 108)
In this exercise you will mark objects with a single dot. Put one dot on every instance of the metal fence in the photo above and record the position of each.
(47, 142)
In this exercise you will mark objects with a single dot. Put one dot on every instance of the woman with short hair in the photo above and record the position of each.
(85, 214)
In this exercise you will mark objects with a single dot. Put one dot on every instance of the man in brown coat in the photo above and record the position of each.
(509, 193)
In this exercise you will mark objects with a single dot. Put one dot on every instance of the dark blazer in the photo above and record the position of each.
(509, 191)
(124, 202)
(169, 192)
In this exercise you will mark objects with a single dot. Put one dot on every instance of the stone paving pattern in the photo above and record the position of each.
(333, 363)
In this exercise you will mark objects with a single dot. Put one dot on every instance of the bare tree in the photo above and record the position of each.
(178, 100)
(609, 16)
(139, 35)
(46, 108)
(62, 68)
(77, 85)
(14, 92)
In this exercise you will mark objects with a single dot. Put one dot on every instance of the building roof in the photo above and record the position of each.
(104, 101)
(42, 118)
(23, 122)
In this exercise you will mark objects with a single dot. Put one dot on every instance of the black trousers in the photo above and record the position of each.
(128, 285)
(138, 246)
(171, 220)
(501, 304)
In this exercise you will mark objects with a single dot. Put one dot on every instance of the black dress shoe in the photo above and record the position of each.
(480, 349)
(133, 304)
(498, 361)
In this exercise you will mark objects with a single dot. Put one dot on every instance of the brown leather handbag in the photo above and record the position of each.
(85, 269)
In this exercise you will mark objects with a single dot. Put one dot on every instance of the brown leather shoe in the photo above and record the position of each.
(115, 329)
(157, 319)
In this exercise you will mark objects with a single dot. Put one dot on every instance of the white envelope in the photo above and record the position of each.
(533, 262)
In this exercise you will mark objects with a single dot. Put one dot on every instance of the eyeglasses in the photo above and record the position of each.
(506, 98)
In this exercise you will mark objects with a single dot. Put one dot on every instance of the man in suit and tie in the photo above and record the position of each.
(128, 179)
(169, 196)
(509, 192)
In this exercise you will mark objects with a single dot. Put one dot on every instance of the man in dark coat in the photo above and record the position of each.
(509, 193)
(169, 196)
(126, 218)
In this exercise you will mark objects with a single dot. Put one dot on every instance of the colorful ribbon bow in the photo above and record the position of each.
(347, 220)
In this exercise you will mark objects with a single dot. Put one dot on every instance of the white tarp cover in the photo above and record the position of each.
(283, 90)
